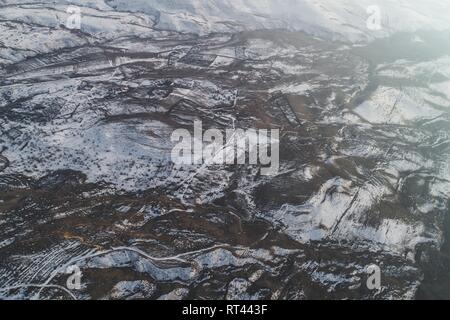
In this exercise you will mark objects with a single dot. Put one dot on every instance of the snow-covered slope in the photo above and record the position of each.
(86, 176)
(341, 19)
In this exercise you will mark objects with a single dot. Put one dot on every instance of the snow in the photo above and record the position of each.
(395, 106)
(338, 20)
(345, 19)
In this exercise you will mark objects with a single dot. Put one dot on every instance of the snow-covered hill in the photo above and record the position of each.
(341, 19)
(86, 177)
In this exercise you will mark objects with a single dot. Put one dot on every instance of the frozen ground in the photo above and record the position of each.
(86, 177)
